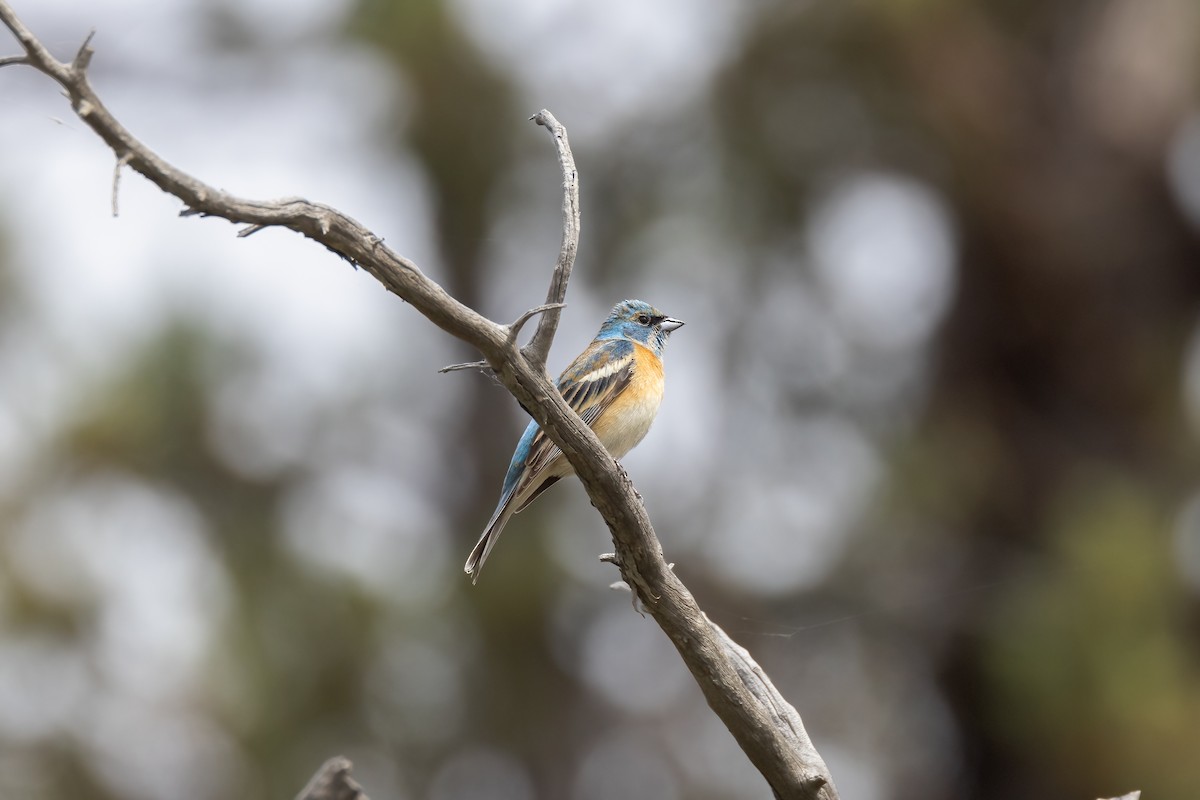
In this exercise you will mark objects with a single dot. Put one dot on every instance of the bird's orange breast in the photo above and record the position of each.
(628, 419)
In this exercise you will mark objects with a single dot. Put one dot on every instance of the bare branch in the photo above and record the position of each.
(783, 715)
(121, 162)
(764, 725)
(538, 349)
(333, 782)
(336, 231)
(36, 55)
(10, 60)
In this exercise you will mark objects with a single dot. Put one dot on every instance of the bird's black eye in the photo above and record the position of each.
(643, 319)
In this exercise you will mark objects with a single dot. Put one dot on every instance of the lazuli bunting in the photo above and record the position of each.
(615, 386)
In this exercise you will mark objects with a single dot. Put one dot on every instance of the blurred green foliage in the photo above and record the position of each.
(1089, 653)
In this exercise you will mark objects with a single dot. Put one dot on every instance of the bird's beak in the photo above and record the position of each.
(670, 323)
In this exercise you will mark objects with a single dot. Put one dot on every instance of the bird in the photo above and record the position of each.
(615, 385)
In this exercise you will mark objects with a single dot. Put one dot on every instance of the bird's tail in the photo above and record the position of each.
(487, 541)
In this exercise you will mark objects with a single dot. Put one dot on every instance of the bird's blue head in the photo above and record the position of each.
(639, 322)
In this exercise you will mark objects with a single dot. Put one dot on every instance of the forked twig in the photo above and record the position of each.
(514, 329)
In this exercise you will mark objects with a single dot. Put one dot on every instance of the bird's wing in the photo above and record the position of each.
(589, 385)
(597, 377)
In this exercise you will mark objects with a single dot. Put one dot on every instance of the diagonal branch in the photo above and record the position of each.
(766, 727)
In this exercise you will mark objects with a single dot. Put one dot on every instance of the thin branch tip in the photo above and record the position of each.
(116, 181)
(537, 352)
(482, 366)
(545, 119)
(83, 58)
(519, 322)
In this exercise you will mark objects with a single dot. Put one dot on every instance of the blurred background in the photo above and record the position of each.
(929, 444)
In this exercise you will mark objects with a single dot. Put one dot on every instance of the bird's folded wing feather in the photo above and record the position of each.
(589, 385)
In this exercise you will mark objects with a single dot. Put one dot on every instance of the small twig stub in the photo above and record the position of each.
(333, 782)
(116, 181)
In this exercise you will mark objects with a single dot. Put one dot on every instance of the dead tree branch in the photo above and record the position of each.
(538, 349)
(333, 782)
(766, 727)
